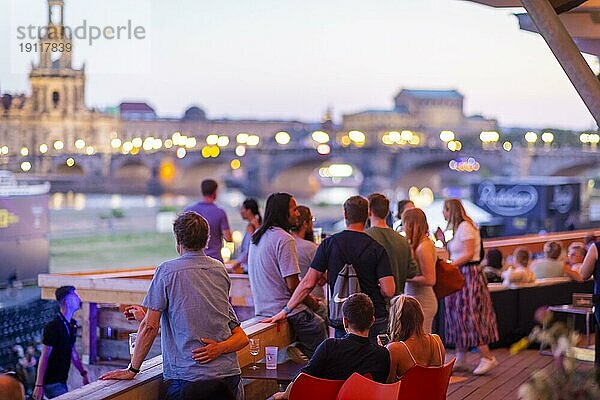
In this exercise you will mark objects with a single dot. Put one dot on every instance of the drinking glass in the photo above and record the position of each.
(132, 339)
(317, 232)
(254, 350)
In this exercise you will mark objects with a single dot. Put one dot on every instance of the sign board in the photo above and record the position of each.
(541, 204)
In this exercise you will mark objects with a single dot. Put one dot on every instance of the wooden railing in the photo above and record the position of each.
(130, 287)
(145, 385)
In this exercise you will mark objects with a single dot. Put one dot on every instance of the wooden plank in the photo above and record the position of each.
(151, 370)
(504, 381)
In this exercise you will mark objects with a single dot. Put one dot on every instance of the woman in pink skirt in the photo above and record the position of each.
(470, 317)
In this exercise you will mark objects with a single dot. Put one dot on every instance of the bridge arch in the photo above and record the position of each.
(133, 169)
(65, 170)
(187, 178)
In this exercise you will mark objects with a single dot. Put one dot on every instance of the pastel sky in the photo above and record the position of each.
(293, 59)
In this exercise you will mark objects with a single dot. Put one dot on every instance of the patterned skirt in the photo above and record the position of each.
(469, 315)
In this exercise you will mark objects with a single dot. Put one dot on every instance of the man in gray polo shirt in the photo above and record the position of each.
(200, 332)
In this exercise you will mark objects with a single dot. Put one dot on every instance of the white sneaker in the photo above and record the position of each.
(485, 365)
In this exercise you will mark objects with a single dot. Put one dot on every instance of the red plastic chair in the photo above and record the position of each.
(357, 387)
(308, 387)
(429, 383)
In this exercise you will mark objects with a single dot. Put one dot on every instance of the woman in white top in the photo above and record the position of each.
(470, 320)
(409, 344)
(421, 286)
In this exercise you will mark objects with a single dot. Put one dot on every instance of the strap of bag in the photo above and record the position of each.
(344, 255)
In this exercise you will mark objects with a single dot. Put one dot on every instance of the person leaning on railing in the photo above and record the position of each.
(200, 333)
(591, 266)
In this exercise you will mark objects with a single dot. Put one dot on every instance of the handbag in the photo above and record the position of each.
(448, 279)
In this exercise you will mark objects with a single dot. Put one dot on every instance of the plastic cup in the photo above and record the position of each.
(317, 232)
(271, 356)
(132, 340)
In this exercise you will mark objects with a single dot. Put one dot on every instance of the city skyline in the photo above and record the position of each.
(274, 60)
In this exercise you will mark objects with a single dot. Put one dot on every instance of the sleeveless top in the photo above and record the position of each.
(432, 341)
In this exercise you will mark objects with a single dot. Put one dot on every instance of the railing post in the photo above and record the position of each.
(89, 333)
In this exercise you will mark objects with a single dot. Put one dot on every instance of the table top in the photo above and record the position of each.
(569, 308)
(286, 371)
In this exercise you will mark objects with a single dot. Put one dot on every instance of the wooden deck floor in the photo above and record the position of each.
(503, 381)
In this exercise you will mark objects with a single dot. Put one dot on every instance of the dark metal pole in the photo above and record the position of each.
(566, 52)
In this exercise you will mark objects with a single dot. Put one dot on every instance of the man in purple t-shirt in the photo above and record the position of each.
(216, 217)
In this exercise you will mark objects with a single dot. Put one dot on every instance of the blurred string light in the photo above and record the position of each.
(253, 140)
(148, 143)
(70, 162)
(320, 137)
(345, 141)
(336, 171)
(58, 145)
(591, 138)
(454, 145)
(181, 152)
(507, 146)
(323, 149)
(4, 150)
(531, 137)
(79, 144)
(446, 136)
(489, 136)
(240, 151)
(115, 143)
(190, 142)
(127, 146)
(212, 139)
(43, 148)
(211, 151)
(25, 166)
(357, 137)
(241, 138)
(89, 150)
(400, 138)
(223, 141)
(235, 164)
(137, 142)
(547, 137)
(282, 137)
(464, 165)
(168, 143)
(24, 151)
(421, 198)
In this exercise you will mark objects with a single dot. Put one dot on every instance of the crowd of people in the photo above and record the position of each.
(521, 268)
(388, 296)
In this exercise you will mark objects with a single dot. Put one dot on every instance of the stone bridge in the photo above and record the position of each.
(272, 168)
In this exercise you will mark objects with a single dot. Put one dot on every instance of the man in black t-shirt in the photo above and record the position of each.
(369, 258)
(341, 357)
(58, 348)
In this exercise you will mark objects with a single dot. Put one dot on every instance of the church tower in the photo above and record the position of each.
(57, 88)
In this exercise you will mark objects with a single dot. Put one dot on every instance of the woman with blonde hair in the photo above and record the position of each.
(409, 344)
(421, 286)
(469, 315)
